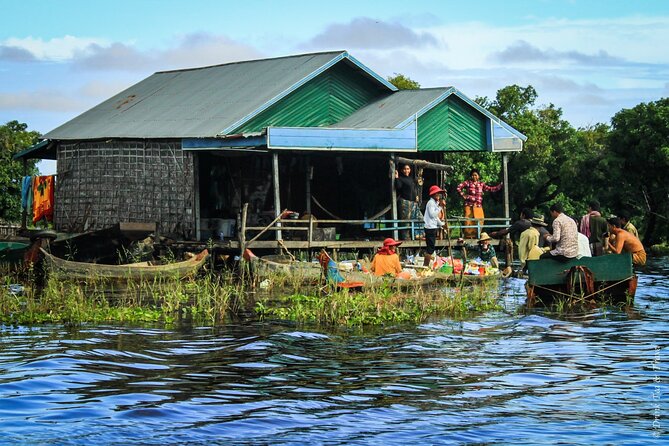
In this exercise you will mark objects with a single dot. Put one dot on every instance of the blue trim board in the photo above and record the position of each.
(321, 138)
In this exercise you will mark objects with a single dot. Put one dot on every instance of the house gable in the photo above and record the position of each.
(453, 125)
(324, 100)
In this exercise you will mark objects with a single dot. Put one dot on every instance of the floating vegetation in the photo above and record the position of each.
(211, 297)
(378, 306)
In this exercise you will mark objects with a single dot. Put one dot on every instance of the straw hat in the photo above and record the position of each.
(435, 190)
(538, 220)
(484, 237)
(391, 242)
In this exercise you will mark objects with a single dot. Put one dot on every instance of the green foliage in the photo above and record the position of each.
(403, 82)
(14, 137)
(639, 162)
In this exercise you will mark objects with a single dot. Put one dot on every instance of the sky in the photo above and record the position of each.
(590, 58)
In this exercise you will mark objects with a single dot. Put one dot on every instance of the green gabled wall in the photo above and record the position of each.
(452, 125)
(324, 100)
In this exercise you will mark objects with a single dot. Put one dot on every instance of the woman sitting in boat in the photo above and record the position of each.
(486, 251)
(625, 241)
(387, 261)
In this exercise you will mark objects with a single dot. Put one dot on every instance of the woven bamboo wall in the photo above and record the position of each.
(104, 183)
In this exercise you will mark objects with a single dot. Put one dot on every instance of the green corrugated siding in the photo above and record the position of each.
(452, 125)
(325, 100)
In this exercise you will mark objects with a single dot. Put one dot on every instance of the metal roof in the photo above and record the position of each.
(202, 102)
(392, 110)
(400, 108)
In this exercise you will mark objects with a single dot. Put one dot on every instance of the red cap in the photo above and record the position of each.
(391, 242)
(435, 190)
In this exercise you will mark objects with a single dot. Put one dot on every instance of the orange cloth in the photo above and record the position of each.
(639, 258)
(625, 241)
(43, 187)
(473, 212)
(386, 264)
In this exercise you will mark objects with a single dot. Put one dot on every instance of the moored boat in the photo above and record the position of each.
(130, 271)
(609, 276)
(12, 252)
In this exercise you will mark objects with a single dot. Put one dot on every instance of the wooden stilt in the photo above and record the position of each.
(393, 194)
(277, 195)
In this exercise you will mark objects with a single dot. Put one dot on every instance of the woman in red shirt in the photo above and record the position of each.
(472, 192)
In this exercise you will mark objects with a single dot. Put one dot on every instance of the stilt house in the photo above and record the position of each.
(313, 133)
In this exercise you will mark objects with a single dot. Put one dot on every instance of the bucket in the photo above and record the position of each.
(446, 268)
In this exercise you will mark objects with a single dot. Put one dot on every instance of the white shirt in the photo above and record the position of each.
(583, 246)
(431, 217)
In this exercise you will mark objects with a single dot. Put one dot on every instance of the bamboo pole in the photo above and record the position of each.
(242, 230)
(277, 194)
(424, 164)
(278, 217)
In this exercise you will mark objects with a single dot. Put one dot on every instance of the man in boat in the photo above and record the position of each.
(471, 191)
(625, 241)
(486, 251)
(517, 228)
(432, 222)
(528, 245)
(408, 199)
(386, 261)
(624, 218)
(565, 236)
(593, 225)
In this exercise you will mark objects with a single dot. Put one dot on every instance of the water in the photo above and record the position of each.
(504, 377)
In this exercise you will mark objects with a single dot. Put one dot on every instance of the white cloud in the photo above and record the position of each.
(191, 50)
(56, 49)
(369, 33)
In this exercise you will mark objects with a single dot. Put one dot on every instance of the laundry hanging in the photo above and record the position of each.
(43, 198)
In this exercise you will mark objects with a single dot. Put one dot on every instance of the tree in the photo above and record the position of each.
(14, 137)
(639, 162)
(403, 82)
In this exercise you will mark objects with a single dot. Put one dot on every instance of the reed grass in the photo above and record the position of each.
(378, 306)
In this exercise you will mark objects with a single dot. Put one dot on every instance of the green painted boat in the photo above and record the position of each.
(12, 252)
(585, 279)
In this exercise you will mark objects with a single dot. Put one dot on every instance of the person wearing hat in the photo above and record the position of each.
(486, 251)
(432, 222)
(472, 192)
(529, 245)
(386, 260)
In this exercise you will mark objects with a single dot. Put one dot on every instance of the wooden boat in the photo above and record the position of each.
(467, 279)
(12, 252)
(130, 271)
(609, 276)
(281, 266)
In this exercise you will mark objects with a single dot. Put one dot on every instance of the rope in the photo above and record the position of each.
(584, 297)
(373, 217)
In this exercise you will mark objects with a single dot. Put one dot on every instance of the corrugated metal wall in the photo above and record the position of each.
(325, 100)
(452, 126)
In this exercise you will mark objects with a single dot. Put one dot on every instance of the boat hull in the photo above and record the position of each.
(609, 277)
(129, 272)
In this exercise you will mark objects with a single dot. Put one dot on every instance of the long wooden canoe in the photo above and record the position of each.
(609, 276)
(130, 271)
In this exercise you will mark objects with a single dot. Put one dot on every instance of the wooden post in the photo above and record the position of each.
(505, 178)
(277, 195)
(393, 194)
(196, 196)
(308, 186)
(242, 230)
(24, 212)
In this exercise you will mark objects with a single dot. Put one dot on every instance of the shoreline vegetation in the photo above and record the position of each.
(215, 297)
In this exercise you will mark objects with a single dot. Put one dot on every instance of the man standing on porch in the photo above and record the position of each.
(432, 222)
(471, 191)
